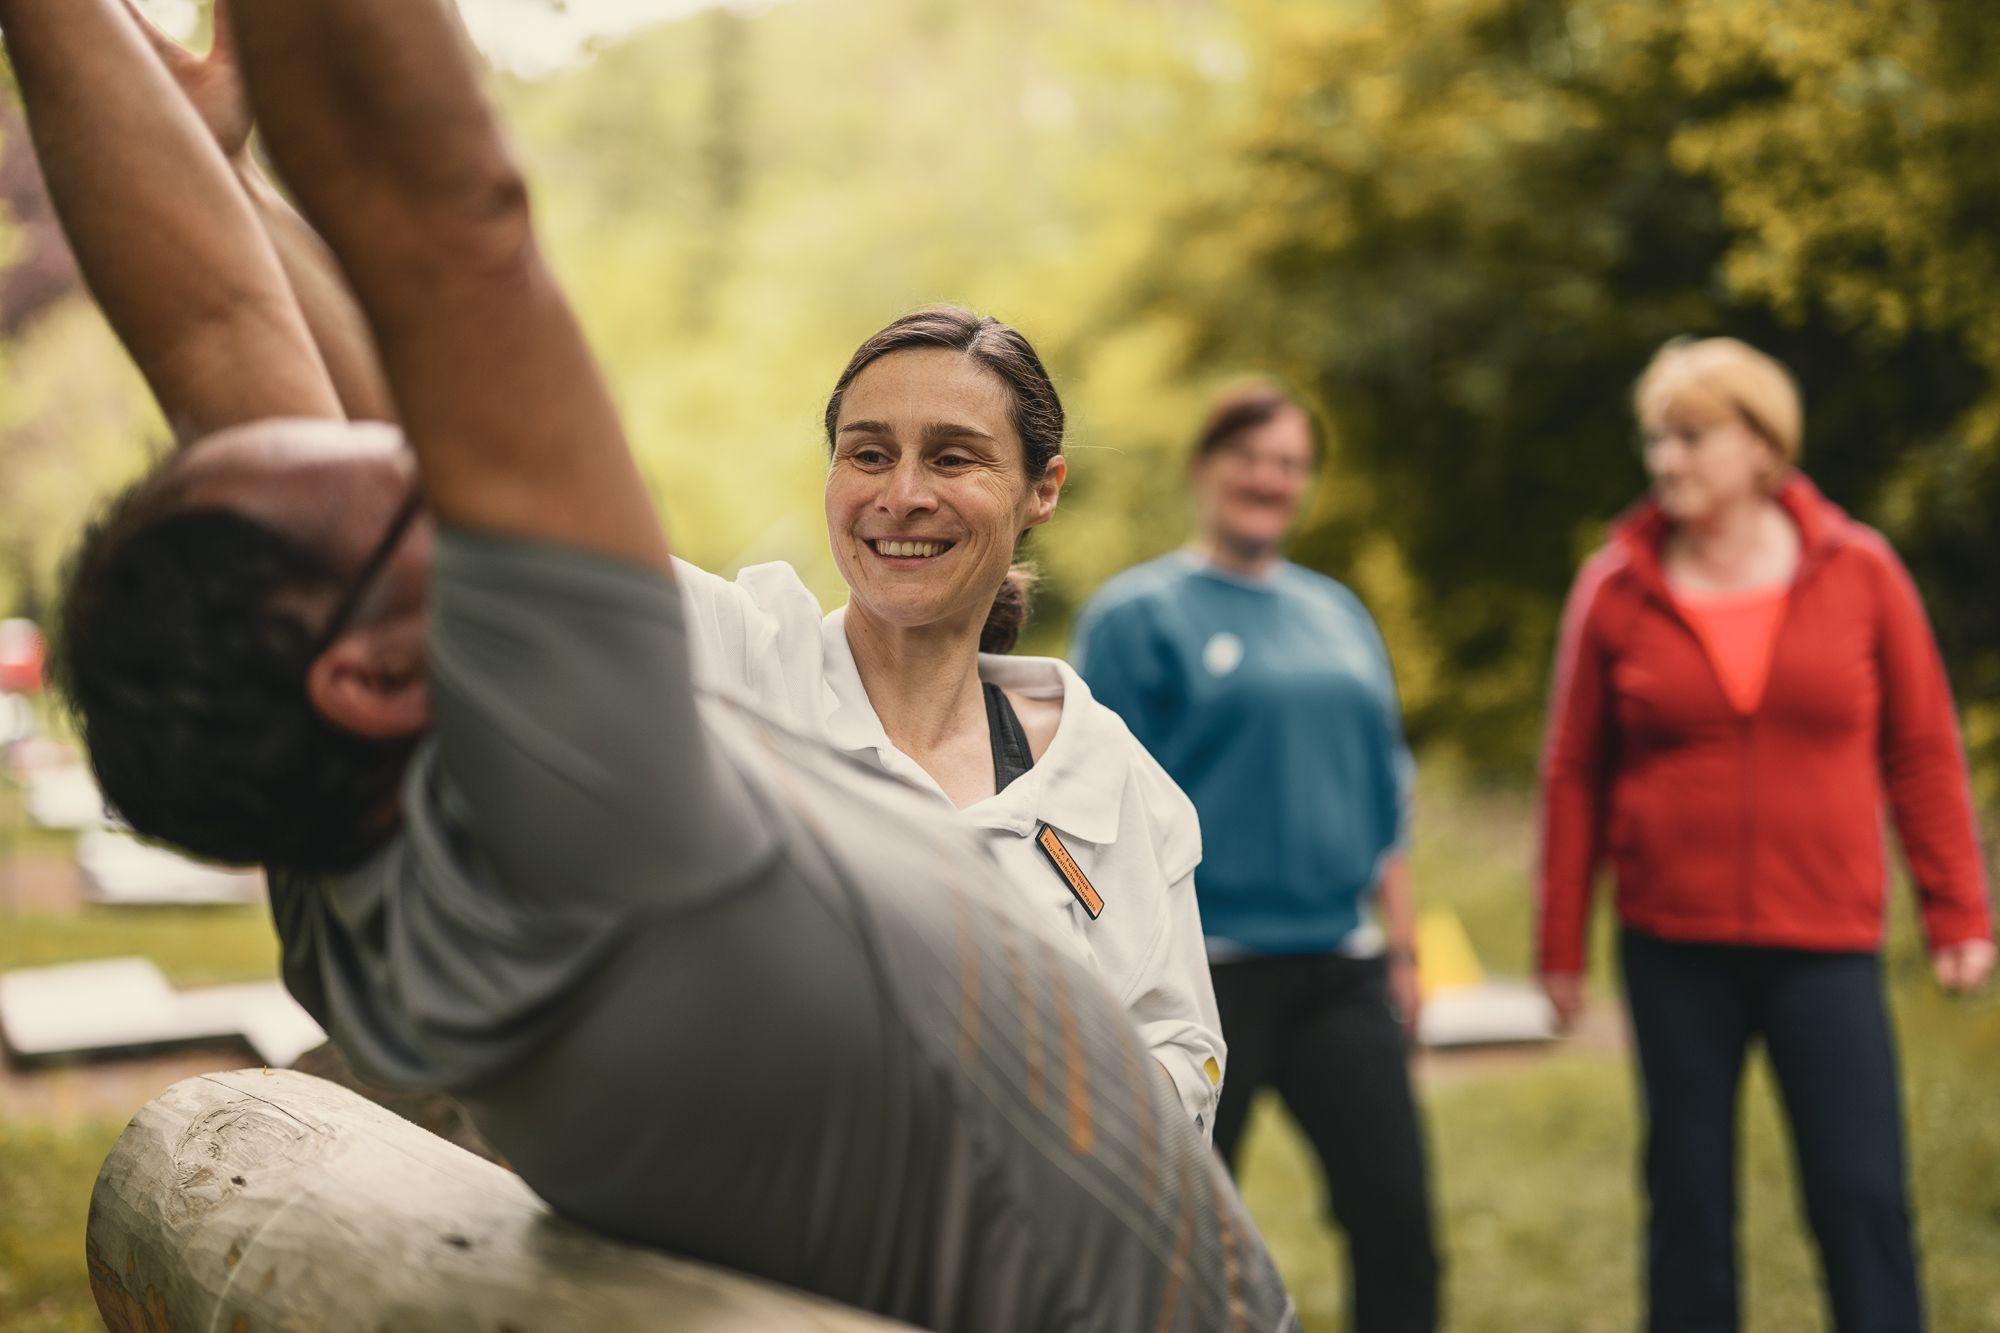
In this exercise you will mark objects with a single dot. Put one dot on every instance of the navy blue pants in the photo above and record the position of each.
(1695, 1010)
(1323, 1031)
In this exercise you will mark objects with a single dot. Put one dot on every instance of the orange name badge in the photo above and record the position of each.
(1072, 874)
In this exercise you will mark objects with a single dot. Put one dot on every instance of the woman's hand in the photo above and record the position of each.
(1398, 904)
(212, 84)
(1964, 967)
(1565, 994)
(1404, 991)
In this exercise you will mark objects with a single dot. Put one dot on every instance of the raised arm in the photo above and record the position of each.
(332, 314)
(373, 115)
(163, 234)
(213, 86)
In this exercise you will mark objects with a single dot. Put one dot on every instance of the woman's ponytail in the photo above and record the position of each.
(1010, 610)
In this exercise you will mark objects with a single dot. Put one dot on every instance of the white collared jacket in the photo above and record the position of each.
(763, 638)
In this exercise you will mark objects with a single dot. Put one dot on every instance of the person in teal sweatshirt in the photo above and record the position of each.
(1266, 692)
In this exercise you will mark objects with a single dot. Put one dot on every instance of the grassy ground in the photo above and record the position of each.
(1536, 1170)
(194, 946)
(45, 1178)
(46, 1170)
(1536, 1165)
(1535, 1161)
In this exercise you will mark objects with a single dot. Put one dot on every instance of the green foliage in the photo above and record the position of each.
(1462, 225)
(1863, 192)
(1466, 224)
(74, 423)
(737, 201)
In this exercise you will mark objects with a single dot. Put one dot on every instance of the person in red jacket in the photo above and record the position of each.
(1745, 678)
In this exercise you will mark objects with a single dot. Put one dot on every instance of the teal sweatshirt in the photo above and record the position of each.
(1272, 703)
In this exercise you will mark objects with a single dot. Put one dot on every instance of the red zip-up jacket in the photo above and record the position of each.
(1764, 827)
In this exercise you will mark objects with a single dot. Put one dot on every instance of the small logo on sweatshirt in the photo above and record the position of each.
(1222, 654)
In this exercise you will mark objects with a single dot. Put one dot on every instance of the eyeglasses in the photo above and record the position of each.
(1287, 465)
(371, 569)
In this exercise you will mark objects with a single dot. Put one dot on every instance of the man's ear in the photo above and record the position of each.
(372, 682)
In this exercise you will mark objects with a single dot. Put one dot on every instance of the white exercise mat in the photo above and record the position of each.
(64, 796)
(118, 869)
(125, 1004)
(1491, 1013)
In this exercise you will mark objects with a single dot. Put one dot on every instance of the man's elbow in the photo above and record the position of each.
(479, 222)
(409, 232)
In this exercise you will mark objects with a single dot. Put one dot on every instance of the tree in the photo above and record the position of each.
(1466, 224)
(1864, 192)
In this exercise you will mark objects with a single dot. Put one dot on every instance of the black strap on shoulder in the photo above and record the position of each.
(1011, 755)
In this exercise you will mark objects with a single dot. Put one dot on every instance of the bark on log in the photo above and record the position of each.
(426, 1110)
(268, 1199)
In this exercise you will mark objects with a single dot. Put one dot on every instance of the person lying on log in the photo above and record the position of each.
(707, 985)
(944, 429)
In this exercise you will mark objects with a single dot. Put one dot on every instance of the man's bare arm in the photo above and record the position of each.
(339, 330)
(213, 86)
(373, 115)
(162, 232)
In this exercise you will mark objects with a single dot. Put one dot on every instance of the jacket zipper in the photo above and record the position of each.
(1810, 561)
(1746, 856)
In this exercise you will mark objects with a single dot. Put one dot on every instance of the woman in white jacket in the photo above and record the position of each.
(945, 435)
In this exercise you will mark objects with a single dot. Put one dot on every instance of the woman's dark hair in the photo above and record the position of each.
(187, 675)
(1244, 406)
(1037, 416)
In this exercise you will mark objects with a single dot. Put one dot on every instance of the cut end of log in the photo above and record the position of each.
(269, 1198)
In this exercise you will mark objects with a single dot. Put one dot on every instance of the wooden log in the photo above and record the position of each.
(268, 1199)
(426, 1110)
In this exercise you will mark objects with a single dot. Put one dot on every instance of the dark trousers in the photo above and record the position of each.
(1323, 1032)
(1695, 1010)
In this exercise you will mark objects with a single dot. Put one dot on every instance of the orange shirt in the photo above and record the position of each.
(1739, 630)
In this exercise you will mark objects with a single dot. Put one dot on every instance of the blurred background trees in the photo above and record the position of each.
(1462, 225)
(1478, 218)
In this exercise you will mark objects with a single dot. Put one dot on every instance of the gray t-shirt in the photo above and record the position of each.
(715, 988)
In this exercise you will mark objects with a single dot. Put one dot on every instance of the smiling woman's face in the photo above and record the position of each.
(928, 489)
(1248, 491)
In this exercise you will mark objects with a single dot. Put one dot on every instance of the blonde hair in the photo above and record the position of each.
(1732, 375)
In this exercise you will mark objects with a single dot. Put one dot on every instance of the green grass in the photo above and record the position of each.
(46, 1171)
(1536, 1168)
(45, 1180)
(1536, 1165)
(1537, 1177)
(194, 946)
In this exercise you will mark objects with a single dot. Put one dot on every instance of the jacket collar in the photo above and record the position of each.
(1077, 786)
(1641, 531)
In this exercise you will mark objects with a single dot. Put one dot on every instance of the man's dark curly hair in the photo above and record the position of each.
(187, 674)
